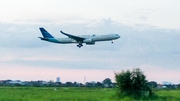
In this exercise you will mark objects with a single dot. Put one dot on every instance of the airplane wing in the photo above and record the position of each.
(77, 38)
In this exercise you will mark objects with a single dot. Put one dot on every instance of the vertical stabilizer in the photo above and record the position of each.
(45, 33)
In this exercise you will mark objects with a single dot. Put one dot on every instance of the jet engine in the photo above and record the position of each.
(89, 41)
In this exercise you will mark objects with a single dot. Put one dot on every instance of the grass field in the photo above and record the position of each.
(75, 94)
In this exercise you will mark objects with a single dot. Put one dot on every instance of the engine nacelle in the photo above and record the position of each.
(89, 41)
(92, 43)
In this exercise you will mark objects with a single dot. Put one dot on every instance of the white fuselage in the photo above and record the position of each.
(88, 39)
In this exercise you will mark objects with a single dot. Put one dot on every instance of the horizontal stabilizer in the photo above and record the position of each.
(45, 39)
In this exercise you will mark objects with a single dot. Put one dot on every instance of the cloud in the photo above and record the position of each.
(137, 47)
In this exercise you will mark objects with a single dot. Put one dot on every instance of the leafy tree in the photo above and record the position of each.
(99, 84)
(107, 81)
(153, 84)
(132, 83)
(178, 86)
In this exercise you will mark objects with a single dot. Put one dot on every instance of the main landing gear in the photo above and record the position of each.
(79, 45)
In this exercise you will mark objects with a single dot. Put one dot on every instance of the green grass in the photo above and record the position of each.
(60, 94)
(75, 94)
(168, 95)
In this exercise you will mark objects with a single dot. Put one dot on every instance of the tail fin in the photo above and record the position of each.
(45, 33)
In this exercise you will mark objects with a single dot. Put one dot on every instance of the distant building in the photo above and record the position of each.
(16, 82)
(58, 79)
(167, 83)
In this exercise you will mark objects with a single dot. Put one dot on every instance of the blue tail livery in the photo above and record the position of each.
(45, 33)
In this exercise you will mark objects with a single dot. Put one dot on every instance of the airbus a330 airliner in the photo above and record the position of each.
(88, 39)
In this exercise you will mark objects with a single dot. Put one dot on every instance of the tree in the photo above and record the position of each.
(132, 83)
(107, 82)
(153, 84)
(99, 84)
(178, 86)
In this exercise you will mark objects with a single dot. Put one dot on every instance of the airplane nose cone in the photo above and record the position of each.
(116, 36)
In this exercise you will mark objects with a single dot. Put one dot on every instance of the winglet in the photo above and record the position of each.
(63, 33)
(45, 33)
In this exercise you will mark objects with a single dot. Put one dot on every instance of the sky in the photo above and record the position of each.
(149, 30)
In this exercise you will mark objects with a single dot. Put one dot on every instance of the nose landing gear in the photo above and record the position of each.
(112, 41)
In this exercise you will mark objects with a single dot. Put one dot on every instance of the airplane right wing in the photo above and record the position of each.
(77, 38)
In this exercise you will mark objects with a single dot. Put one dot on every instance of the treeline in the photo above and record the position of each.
(105, 83)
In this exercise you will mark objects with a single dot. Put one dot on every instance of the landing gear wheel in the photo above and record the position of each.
(79, 45)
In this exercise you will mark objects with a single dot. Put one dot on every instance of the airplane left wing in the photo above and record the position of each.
(77, 38)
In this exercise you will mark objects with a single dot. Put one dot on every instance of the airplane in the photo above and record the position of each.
(88, 39)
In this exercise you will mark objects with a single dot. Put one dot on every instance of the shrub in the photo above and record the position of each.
(132, 83)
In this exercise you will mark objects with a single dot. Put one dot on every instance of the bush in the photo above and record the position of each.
(132, 83)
